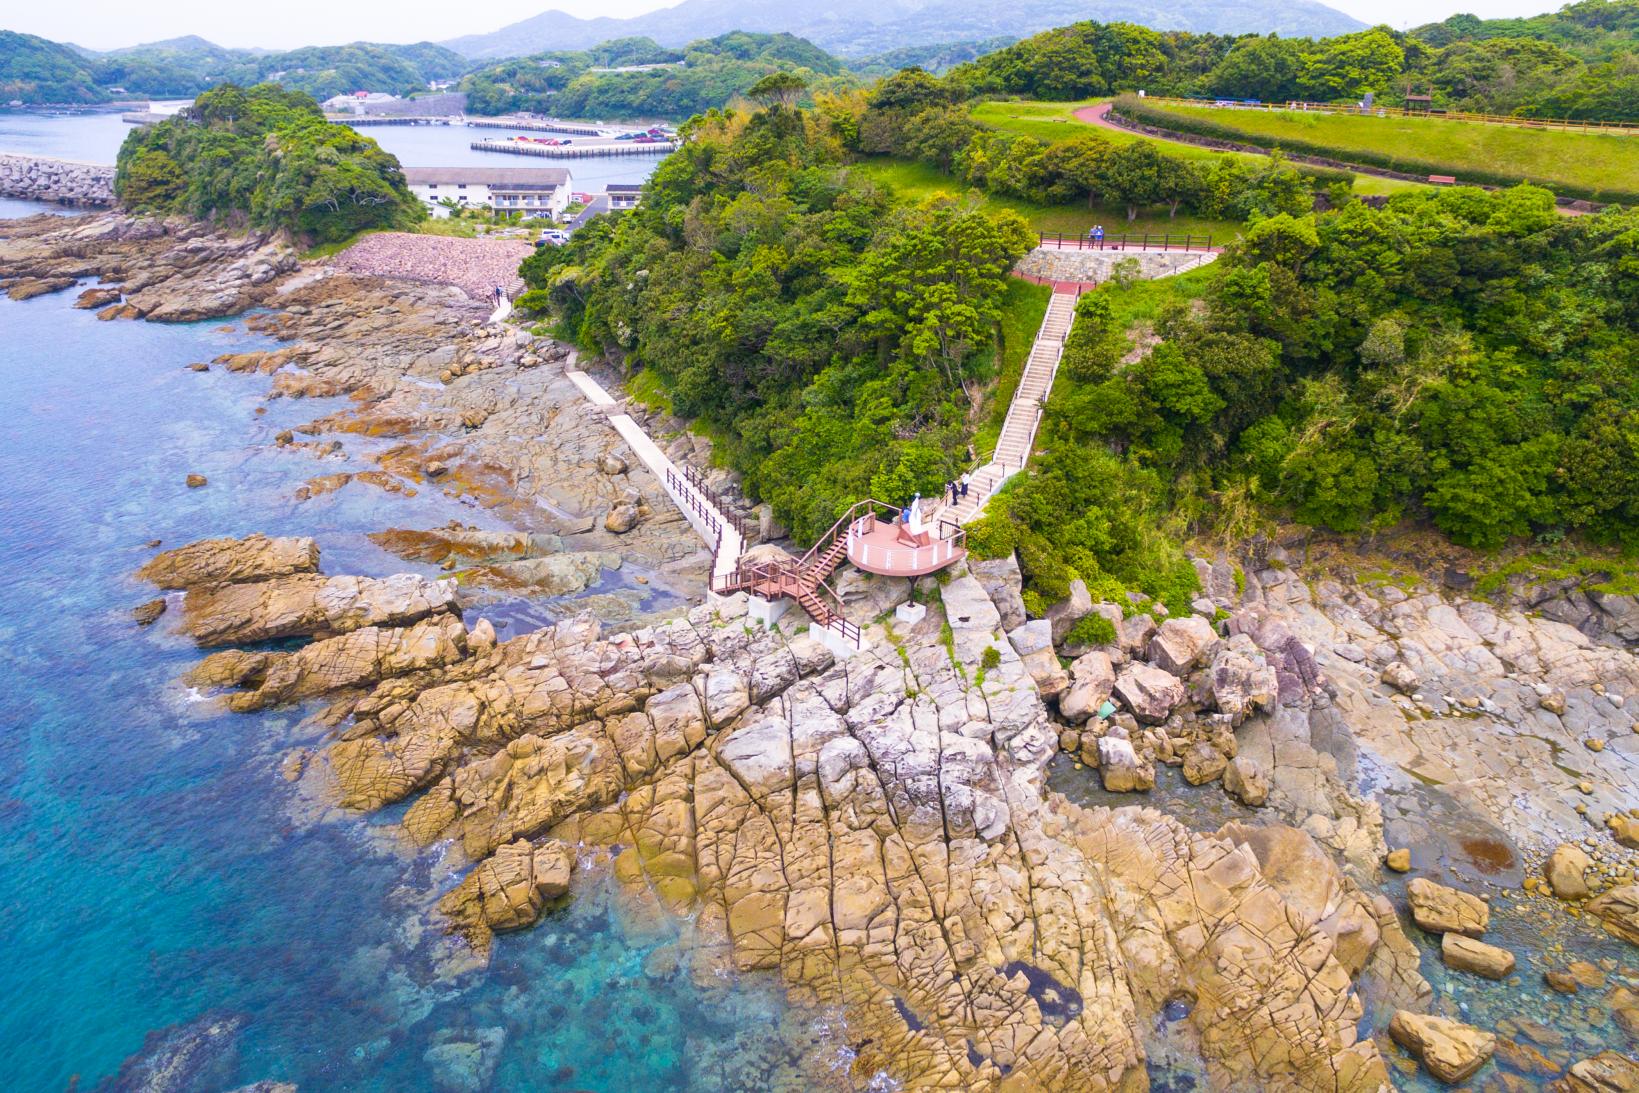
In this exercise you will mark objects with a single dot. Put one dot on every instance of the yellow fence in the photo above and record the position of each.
(1617, 127)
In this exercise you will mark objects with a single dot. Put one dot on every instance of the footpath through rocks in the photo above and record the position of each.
(437, 399)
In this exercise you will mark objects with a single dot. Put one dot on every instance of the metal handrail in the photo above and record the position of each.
(686, 496)
(698, 481)
(1165, 241)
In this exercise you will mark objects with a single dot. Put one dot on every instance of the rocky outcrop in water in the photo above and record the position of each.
(480, 412)
(875, 830)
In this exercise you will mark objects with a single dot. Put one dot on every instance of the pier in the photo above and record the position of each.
(576, 151)
(357, 120)
(543, 125)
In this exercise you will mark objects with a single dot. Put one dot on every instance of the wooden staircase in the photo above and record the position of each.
(1018, 435)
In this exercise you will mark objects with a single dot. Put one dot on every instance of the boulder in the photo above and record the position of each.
(1092, 678)
(1245, 780)
(1031, 637)
(1179, 644)
(1120, 767)
(1625, 830)
(1002, 582)
(1070, 610)
(1618, 911)
(1399, 860)
(1150, 693)
(621, 518)
(1553, 702)
(195, 481)
(1467, 955)
(1401, 678)
(1440, 910)
(231, 561)
(1133, 635)
(1449, 1050)
(1241, 679)
(97, 297)
(1607, 1072)
(1203, 763)
(146, 614)
(1566, 870)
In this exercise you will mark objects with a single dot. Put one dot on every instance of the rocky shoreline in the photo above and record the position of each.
(878, 832)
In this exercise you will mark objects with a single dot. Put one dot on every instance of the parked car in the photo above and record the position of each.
(557, 237)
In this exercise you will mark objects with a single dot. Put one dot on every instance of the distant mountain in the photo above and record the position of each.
(863, 27)
(35, 70)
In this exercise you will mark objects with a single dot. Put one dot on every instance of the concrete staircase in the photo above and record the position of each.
(1018, 434)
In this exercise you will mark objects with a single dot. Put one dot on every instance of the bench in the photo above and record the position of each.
(1442, 180)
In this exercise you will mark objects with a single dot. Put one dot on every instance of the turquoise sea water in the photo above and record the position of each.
(156, 869)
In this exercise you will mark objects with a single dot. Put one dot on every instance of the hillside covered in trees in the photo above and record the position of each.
(1458, 356)
(1582, 62)
(835, 340)
(265, 157)
(637, 78)
(35, 70)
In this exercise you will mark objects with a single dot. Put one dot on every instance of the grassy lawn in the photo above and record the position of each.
(1055, 121)
(1587, 163)
(919, 180)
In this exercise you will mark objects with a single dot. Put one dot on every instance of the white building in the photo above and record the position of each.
(535, 191)
(623, 195)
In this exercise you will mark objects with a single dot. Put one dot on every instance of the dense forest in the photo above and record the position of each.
(636, 78)
(1458, 356)
(264, 156)
(1582, 62)
(835, 340)
(35, 70)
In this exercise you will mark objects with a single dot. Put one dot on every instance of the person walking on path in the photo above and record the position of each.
(1098, 234)
(966, 479)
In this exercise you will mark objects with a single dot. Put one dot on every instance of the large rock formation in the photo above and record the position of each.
(231, 561)
(875, 830)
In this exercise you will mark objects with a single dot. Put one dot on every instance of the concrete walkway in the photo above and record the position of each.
(701, 513)
(1024, 413)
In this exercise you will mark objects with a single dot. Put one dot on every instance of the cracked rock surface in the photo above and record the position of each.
(874, 830)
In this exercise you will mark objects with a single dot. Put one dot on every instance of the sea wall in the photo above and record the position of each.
(1052, 264)
(66, 182)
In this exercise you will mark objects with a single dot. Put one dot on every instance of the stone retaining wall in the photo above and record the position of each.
(65, 182)
(1051, 264)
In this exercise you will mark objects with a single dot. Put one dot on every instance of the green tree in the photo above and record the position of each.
(1133, 175)
(1348, 66)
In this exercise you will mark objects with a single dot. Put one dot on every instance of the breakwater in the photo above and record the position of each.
(65, 182)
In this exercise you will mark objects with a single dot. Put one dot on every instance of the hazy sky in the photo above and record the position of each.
(283, 24)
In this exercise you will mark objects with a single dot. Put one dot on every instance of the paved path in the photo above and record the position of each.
(698, 509)
(1024, 413)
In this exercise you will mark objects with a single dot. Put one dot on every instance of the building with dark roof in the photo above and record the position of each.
(534, 191)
